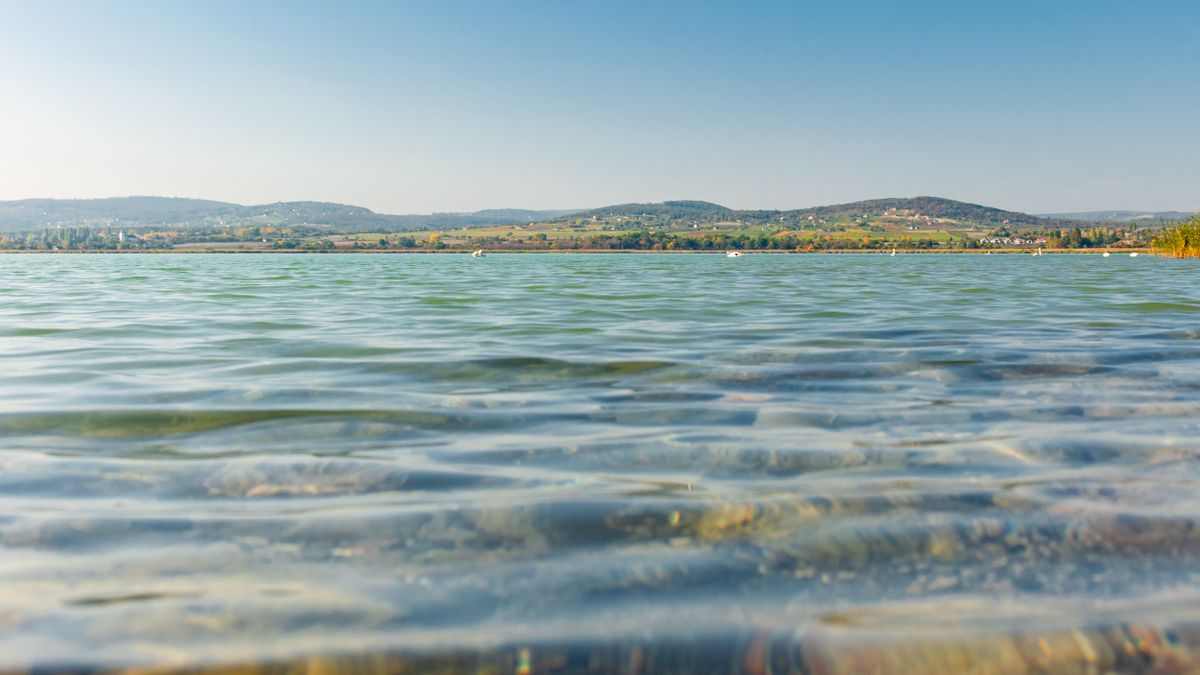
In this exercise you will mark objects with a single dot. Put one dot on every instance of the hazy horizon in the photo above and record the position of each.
(429, 107)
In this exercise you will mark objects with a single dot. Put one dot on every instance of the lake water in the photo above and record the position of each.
(601, 463)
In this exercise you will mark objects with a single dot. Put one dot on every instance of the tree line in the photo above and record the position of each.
(297, 238)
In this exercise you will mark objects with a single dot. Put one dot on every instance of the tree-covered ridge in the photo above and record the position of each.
(934, 207)
(677, 214)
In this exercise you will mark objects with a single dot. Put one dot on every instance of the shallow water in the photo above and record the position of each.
(593, 463)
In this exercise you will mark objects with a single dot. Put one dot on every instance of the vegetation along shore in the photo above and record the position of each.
(928, 224)
(1181, 240)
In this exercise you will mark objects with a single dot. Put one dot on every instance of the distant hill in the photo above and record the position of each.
(515, 215)
(1145, 217)
(36, 213)
(145, 212)
(179, 213)
(669, 209)
(674, 213)
(933, 207)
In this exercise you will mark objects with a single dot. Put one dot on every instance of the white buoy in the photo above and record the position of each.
(733, 254)
(477, 254)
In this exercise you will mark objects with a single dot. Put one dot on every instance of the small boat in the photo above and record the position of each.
(733, 254)
(1106, 254)
(893, 250)
(1133, 255)
(477, 254)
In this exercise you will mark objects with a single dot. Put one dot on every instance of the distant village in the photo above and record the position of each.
(1011, 241)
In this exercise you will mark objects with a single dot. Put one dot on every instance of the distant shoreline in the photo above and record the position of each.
(382, 251)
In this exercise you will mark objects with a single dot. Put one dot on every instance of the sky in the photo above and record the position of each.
(449, 105)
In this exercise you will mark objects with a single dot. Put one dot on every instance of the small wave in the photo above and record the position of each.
(156, 423)
(522, 369)
(125, 598)
(32, 331)
(1029, 371)
(439, 301)
(1157, 307)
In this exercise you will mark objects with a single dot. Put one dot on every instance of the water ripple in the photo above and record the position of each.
(596, 463)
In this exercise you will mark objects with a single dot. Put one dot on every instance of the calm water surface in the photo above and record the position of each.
(600, 463)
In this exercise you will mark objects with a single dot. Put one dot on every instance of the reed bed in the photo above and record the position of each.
(1181, 240)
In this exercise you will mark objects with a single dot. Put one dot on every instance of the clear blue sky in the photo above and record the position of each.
(1033, 105)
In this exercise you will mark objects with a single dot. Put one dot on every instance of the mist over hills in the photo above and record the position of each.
(183, 213)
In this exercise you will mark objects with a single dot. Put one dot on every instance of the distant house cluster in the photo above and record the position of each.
(1010, 241)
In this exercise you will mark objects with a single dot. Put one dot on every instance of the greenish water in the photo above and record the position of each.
(595, 463)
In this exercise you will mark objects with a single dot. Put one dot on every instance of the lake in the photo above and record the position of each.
(600, 463)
